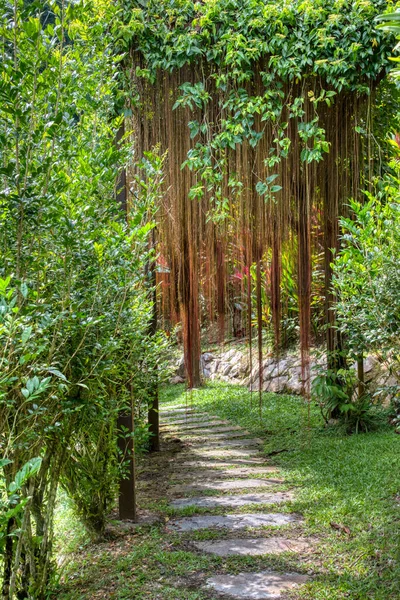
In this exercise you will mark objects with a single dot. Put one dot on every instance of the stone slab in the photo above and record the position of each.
(233, 443)
(166, 407)
(177, 410)
(265, 585)
(197, 421)
(239, 500)
(221, 463)
(226, 473)
(217, 432)
(183, 417)
(222, 453)
(233, 522)
(252, 547)
(238, 484)
(191, 426)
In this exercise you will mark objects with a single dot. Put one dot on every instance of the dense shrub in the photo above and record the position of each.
(75, 347)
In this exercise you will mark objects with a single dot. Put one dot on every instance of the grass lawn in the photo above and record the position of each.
(347, 488)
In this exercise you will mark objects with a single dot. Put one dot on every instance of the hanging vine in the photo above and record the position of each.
(261, 106)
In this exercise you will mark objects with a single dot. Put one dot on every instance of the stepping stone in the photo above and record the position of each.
(239, 484)
(195, 437)
(229, 453)
(252, 547)
(236, 472)
(265, 585)
(239, 500)
(197, 421)
(233, 443)
(233, 522)
(184, 430)
(189, 425)
(177, 409)
(221, 463)
(220, 431)
(184, 416)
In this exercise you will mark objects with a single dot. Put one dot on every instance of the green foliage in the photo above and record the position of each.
(75, 304)
(330, 39)
(11, 502)
(366, 276)
(301, 54)
(334, 392)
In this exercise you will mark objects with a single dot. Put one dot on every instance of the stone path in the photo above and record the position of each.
(252, 547)
(236, 484)
(221, 462)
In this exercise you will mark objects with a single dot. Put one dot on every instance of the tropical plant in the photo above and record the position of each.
(75, 306)
(366, 277)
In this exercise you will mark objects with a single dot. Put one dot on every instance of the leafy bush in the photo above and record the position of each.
(74, 300)
(367, 280)
(334, 392)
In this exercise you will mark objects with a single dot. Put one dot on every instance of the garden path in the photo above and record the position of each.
(235, 496)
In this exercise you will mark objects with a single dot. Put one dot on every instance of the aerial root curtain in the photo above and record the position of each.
(227, 247)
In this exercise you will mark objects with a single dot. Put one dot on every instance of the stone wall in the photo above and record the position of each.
(280, 376)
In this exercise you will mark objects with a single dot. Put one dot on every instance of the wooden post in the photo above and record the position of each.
(125, 422)
(153, 414)
(127, 495)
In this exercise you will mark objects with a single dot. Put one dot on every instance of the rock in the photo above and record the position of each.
(234, 372)
(177, 379)
(264, 585)
(255, 375)
(181, 369)
(238, 500)
(227, 443)
(255, 386)
(214, 366)
(268, 362)
(233, 521)
(294, 385)
(238, 484)
(179, 412)
(225, 368)
(243, 365)
(209, 474)
(208, 357)
(220, 462)
(211, 436)
(252, 546)
(221, 453)
(193, 423)
(189, 419)
(232, 355)
(206, 373)
(277, 385)
(370, 363)
(283, 366)
(269, 370)
(217, 432)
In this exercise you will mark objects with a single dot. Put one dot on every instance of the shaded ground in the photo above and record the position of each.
(346, 487)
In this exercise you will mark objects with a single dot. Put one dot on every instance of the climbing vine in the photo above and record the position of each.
(266, 110)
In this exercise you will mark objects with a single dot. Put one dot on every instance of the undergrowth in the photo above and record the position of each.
(346, 487)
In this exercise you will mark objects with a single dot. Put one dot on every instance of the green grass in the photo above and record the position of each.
(353, 481)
